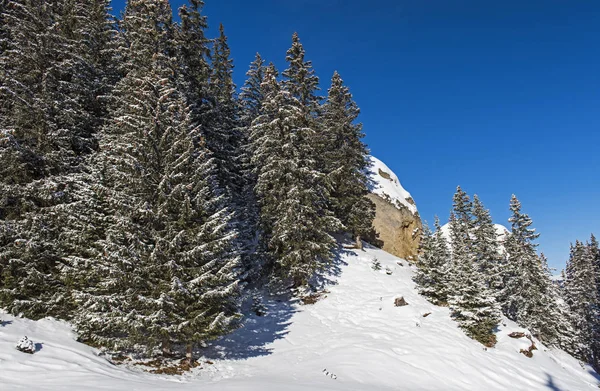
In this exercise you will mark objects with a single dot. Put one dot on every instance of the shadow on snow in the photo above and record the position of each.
(256, 333)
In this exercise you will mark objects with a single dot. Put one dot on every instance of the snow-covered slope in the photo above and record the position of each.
(353, 339)
(386, 184)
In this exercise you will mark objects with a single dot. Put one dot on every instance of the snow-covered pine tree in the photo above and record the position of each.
(525, 297)
(581, 296)
(168, 270)
(265, 143)
(594, 249)
(193, 55)
(488, 259)
(223, 136)
(472, 304)
(432, 275)
(345, 160)
(559, 327)
(49, 113)
(291, 191)
(250, 102)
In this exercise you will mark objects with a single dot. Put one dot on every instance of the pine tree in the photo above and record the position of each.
(250, 102)
(291, 191)
(48, 118)
(168, 269)
(525, 295)
(558, 326)
(222, 132)
(581, 296)
(432, 275)
(346, 161)
(486, 247)
(472, 304)
(194, 54)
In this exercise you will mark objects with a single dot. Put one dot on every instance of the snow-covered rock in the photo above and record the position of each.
(397, 220)
(353, 338)
(26, 345)
(385, 183)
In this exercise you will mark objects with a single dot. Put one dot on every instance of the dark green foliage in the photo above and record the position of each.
(50, 81)
(345, 160)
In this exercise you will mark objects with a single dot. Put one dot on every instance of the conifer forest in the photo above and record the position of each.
(144, 196)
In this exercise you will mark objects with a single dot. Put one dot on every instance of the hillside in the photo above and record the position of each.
(352, 339)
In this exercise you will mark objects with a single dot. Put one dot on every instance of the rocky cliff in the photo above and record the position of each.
(397, 220)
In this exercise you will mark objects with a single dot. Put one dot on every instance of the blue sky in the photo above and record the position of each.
(498, 97)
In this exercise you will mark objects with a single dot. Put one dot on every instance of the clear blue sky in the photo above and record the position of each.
(498, 97)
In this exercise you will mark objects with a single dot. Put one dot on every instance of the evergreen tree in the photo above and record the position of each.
(194, 53)
(291, 191)
(432, 276)
(486, 247)
(472, 304)
(48, 117)
(581, 296)
(346, 161)
(525, 295)
(168, 270)
(223, 137)
(250, 101)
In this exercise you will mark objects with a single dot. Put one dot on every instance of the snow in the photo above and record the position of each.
(388, 187)
(501, 232)
(354, 338)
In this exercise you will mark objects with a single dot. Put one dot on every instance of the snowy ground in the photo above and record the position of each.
(354, 339)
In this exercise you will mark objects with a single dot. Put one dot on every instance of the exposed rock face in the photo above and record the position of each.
(398, 228)
(396, 221)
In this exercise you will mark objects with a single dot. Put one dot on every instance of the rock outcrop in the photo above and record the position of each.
(397, 220)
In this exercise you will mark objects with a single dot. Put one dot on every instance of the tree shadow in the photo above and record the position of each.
(256, 332)
(38, 347)
(595, 374)
(4, 323)
(332, 272)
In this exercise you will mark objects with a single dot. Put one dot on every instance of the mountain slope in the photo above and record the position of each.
(352, 339)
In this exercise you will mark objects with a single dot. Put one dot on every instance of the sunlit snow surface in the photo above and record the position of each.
(354, 339)
(388, 185)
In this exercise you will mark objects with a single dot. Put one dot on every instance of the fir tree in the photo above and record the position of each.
(472, 304)
(346, 161)
(581, 296)
(250, 101)
(49, 89)
(525, 295)
(222, 132)
(291, 191)
(485, 245)
(168, 269)
(432, 276)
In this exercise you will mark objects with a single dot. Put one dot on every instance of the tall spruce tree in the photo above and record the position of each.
(525, 297)
(472, 304)
(581, 296)
(488, 259)
(223, 137)
(291, 191)
(250, 102)
(434, 258)
(49, 113)
(346, 161)
(168, 270)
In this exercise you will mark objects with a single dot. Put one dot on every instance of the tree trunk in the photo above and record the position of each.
(189, 354)
(166, 348)
(359, 243)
